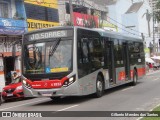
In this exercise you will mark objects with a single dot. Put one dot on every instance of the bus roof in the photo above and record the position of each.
(51, 28)
(102, 32)
(112, 34)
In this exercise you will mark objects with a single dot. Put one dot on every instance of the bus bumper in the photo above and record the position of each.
(71, 90)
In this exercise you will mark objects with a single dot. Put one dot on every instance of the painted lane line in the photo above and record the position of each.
(149, 110)
(23, 104)
(152, 73)
(127, 88)
(155, 79)
(154, 107)
(67, 108)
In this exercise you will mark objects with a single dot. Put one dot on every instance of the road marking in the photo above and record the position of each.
(65, 108)
(23, 104)
(149, 110)
(152, 73)
(127, 88)
(68, 108)
(154, 107)
(155, 79)
(139, 118)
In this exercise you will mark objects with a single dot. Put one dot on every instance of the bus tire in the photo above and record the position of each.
(135, 78)
(99, 87)
(55, 98)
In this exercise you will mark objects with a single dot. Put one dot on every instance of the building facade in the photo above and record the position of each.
(86, 13)
(12, 27)
(41, 14)
(153, 3)
(130, 18)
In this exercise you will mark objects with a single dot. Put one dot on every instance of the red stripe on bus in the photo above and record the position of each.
(121, 75)
(131, 72)
(141, 71)
(47, 84)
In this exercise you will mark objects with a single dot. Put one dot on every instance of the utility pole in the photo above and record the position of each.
(143, 38)
(71, 11)
(154, 49)
(148, 21)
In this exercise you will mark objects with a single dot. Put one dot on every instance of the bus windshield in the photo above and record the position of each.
(48, 57)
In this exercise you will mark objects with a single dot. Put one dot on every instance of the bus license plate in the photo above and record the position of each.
(46, 94)
(9, 94)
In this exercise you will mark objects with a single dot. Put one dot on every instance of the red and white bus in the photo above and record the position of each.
(76, 61)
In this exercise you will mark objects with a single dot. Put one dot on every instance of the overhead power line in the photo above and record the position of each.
(120, 24)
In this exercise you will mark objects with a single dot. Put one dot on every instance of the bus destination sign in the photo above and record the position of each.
(47, 35)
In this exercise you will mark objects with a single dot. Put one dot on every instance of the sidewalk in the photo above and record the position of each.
(152, 72)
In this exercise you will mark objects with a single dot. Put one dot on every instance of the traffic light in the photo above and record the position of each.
(159, 42)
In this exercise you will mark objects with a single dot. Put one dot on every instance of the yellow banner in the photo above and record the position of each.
(38, 24)
(59, 69)
(45, 3)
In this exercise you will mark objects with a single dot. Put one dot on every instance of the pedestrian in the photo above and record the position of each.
(150, 66)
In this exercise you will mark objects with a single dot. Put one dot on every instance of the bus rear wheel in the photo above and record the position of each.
(99, 87)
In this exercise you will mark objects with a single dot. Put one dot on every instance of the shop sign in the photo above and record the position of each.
(12, 27)
(45, 3)
(85, 20)
(39, 24)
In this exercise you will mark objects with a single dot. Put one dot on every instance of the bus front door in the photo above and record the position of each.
(126, 61)
(109, 47)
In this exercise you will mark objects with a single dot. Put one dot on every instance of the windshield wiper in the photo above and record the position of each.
(54, 47)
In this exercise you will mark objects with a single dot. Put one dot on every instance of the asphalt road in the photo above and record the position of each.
(142, 97)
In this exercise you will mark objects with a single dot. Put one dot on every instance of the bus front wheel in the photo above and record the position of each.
(99, 87)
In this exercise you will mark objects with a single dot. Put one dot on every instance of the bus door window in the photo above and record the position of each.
(84, 64)
(126, 60)
(109, 60)
(96, 53)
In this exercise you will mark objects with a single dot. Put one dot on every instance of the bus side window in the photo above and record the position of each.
(85, 51)
(84, 65)
(96, 51)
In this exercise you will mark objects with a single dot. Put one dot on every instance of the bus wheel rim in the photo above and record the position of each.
(99, 86)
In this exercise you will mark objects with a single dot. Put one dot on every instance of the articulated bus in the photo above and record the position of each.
(76, 61)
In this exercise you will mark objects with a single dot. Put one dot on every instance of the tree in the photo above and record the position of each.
(157, 13)
(148, 18)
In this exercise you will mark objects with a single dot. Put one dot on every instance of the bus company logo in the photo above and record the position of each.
(40, 1)
(45, 84)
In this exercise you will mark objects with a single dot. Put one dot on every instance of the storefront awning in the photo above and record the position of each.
(149, 60)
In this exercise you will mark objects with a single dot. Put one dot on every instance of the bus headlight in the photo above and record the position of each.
(26, 84)
(69, 81)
